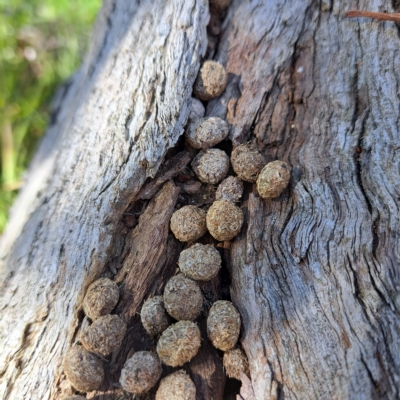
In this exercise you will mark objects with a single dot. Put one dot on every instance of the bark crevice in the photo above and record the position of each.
(313, 272)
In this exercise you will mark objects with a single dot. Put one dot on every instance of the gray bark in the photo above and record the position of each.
(116, 120)
(314, 273)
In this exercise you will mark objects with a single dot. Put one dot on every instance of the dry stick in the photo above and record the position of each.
(374, 15)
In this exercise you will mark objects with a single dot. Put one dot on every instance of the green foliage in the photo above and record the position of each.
(41, 43)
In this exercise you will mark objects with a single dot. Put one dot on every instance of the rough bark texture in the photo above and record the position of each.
(314, 273)
(116, 120)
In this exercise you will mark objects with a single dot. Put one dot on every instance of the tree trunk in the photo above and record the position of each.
(314, 273)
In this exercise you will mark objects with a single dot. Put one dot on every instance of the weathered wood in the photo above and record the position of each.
(170, 169)
(122, 111)
(314, 273)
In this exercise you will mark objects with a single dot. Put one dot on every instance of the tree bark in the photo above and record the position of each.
(314, 273)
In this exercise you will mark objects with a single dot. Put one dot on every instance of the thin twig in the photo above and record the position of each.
(375, 15)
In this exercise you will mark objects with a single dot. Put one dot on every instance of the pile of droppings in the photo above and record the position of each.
(170, 319)
(83, 365)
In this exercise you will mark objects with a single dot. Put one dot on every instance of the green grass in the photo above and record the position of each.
(42, 42)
